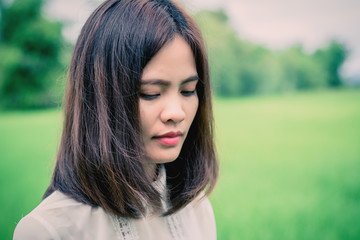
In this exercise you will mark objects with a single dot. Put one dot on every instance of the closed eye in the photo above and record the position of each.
(188, 93)
(149, 96)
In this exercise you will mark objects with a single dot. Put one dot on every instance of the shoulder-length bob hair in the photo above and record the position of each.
(100, 159)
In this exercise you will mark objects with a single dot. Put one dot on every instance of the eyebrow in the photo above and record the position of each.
(167, 83)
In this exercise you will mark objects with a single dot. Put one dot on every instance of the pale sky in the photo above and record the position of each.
(276, 24)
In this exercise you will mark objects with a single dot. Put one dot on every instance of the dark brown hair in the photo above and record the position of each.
(100, 160)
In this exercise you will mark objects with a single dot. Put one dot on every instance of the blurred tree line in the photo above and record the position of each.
(33, 57)
(30, 55)
(239, 67)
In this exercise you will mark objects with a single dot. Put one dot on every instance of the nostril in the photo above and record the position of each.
(174, 120)
(173, 112)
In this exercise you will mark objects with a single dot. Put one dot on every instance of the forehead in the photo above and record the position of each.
(175, 60)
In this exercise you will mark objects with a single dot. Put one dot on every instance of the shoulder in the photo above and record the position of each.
(33, 226)
(203, 209)
(199, 214)
(58, 217)
(38, 223)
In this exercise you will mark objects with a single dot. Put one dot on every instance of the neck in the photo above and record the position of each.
(151, 171)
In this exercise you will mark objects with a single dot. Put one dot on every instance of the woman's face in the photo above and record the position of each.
(168, 100)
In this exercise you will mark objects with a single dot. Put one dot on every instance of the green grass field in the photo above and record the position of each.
(290, 165)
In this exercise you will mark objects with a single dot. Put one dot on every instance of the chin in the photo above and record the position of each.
(164, 156)
(159, 154)
(167, 159)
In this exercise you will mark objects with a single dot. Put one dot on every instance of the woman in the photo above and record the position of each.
(137, 148)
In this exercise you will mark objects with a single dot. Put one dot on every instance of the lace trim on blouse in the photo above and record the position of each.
(126, 229)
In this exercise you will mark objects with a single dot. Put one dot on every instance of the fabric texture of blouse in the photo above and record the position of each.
(61, 217)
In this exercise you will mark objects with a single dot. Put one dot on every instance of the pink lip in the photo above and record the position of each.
(170, 138)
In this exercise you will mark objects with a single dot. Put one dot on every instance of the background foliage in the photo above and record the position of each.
(30, 63)
(34, 56)
(242, 68)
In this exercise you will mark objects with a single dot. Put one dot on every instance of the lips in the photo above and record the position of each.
(169, 138)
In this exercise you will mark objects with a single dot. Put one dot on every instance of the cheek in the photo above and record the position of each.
(145, 118)
(193, 108)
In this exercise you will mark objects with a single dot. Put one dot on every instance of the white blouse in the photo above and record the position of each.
(61, 217)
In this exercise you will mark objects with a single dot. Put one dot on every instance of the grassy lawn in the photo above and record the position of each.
(289, 165)
(28, 143)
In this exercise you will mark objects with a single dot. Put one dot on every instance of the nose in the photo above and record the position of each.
(172, 111)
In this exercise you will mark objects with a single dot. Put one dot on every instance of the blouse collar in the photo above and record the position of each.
(160, 185)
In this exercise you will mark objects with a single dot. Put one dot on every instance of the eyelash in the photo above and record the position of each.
(149, 96)
(154, 96)
(188, 93)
